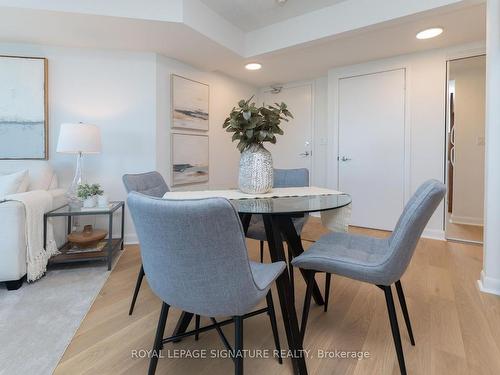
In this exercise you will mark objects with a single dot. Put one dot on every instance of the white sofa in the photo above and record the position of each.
(12, 218)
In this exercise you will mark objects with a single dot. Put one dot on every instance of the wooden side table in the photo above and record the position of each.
(112, 244)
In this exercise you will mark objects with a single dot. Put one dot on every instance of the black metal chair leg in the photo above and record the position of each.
(238, 345)
(328, 279)
(136, 291)
(158, 338)
(394, 327)
(307, 303)
(262, 251)
(197, 326)
(404, 308)
(274, 326)
(290, 271)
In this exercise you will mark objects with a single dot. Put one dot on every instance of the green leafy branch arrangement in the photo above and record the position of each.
(254, 125)
(85, 191)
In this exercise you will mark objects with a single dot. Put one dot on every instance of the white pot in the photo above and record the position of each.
(90, 202)
(256, 170)
(102, 201)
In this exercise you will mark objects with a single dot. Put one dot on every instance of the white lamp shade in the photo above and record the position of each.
(76, 138)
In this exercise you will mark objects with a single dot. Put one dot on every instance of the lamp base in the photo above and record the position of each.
(72, 192)
(73, 200)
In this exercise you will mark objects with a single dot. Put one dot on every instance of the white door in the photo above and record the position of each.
(293, 149)
(371, 146)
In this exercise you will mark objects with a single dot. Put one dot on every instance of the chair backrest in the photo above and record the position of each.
(291, 177)
(411, 224)
(149, 183)
(194, 254)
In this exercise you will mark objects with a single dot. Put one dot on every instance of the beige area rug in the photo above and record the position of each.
(38, 321)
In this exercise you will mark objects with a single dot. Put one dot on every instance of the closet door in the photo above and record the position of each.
(371, 146)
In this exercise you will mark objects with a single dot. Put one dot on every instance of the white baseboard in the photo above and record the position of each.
(488, 284)
(131, 239)
(434, 234)
(466, 220)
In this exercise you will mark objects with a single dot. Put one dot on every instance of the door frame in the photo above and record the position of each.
(312, 86)
(334, 78)
(459, 55)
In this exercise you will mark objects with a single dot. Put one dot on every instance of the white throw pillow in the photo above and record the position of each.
(25, 183)
(40, 172)
(11, 183)
(54, 183)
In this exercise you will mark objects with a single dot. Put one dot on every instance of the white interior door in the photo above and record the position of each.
(371, 146)
(293, 149)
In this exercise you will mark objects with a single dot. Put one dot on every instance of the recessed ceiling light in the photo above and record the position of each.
(430, 33)
(253, 66)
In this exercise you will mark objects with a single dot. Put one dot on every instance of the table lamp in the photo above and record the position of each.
(78, 139)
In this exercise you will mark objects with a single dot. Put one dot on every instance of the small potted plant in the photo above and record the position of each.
(252, 126)
(88, 194)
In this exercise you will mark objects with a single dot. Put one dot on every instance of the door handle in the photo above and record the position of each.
(307, 146)
(343, 158)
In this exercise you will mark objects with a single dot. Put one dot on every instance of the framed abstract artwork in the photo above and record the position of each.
(23, 108)
(190, 100)
(189, 159)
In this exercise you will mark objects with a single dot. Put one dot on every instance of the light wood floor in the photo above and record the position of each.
(464, 232)
(457, 328)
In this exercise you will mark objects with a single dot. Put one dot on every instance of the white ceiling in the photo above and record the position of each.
(250, 15)
(314, 59)
(174, 40)
(205, 40)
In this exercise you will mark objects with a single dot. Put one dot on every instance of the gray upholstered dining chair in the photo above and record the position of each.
(282, 178)
(381, 262)
(195, 259)
(152, 184)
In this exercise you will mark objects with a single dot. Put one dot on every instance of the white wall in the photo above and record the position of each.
(112, 89)
(425, 119)
(319, 125)
(468, 181)
(320, 131)
(490, 275)
(224, 95)
(127, 94)
(425, 124)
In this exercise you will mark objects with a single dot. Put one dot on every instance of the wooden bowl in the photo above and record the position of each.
(89, 237)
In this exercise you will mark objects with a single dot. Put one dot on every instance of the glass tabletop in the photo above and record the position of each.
(291, 205)
(68, 210)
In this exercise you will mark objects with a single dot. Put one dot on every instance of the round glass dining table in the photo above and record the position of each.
(299, 205)
(277, 214)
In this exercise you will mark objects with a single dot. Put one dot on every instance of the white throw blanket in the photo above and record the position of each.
(36, 203)
(336, 220)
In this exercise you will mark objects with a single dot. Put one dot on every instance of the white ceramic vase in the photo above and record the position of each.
(256, 170)
(102, 201)
(90, 202)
